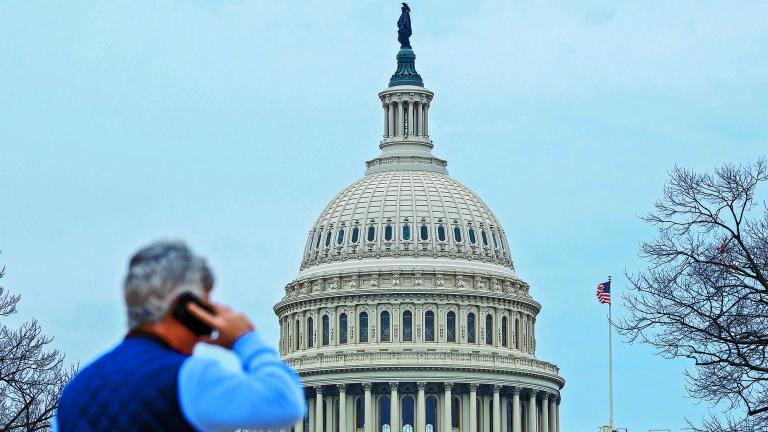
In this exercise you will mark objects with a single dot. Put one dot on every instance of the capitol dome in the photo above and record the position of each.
(407, 313)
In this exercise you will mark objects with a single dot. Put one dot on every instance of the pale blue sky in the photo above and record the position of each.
(231, 124)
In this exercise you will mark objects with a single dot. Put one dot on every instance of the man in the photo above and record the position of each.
(152, 382)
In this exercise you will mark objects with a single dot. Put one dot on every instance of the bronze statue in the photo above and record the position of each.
(404, 27)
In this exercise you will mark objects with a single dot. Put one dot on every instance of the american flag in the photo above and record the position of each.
(604, 292)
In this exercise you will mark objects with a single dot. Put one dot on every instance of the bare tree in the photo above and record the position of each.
(704, 295)
(31, 374)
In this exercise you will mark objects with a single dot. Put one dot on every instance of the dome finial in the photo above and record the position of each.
(404, 27)
(406, 60)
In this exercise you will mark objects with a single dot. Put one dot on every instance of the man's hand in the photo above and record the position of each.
(230, 324)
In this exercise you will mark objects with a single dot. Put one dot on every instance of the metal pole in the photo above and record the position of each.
(610, 364)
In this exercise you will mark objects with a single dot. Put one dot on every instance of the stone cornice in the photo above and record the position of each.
(329, 364)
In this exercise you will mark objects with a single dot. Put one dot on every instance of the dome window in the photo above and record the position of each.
(504, 331)
(495, 243)
(457, 234)
(406, 232)
(424, 233)
(472, 237)
(343, 328)
(441, 233)
(384, 326)
(340, 238)
(326, 330)
(319, 239)
(407, 326)
(364, 326)
(451, 324)
(328, 239)
(429, 326)
(489, 329)
(388, 233)
(310, 332)
(471, 328)
(355, 234)
(484, 236)
(371, 233)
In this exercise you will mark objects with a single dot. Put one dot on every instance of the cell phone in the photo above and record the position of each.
(184, 316)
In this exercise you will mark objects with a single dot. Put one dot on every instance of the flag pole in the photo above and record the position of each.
(610, 364)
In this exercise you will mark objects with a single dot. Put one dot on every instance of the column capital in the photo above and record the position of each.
(421, 385)
(448, 386)
(496, 388)
(367, 386)
(394, 386)
(342, 388)
(516, 390)
(473, 387)
(319, 390)
(532, 393)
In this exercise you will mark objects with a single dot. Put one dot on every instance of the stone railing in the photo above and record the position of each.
(332, 360)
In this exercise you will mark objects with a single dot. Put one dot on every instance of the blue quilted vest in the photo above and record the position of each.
(132, 388)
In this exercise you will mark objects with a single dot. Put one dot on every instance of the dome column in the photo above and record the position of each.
(447, 405)
(342, 407)
(516, 409)
(532, 411)
(545, 413)
(319, 409)
(368, 407)
(311, 414)
(497, 409)
(473, 408)
(421, 408)
(394, 405)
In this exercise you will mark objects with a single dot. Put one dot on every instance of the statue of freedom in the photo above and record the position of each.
(404, 27)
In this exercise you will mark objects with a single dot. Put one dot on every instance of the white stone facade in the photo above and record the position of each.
(407, 313)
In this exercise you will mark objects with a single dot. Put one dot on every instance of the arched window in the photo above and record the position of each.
(409, 412)
(450, 321)
(489, 329)
(363, 328)
(408, 326)
(388, 233)
(456, 411)
(424, 233)
(471, 328)
(484, 236)
(429, 326)
(441, 232)
(457, 234)
(472, 238)
(343, 328)
(495, 243)
(326, 330)
(310, 332)
(340, 236)
(355, 234)
(383, 411)
(319, 239)
(406, 232)
(371, 233)
(328, 238)
(517, 333)
(360, 412)
(384, 326)
(504, 332)
(431, 409)
(296, 336)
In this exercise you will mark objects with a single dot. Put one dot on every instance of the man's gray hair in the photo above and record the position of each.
(157, 274)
